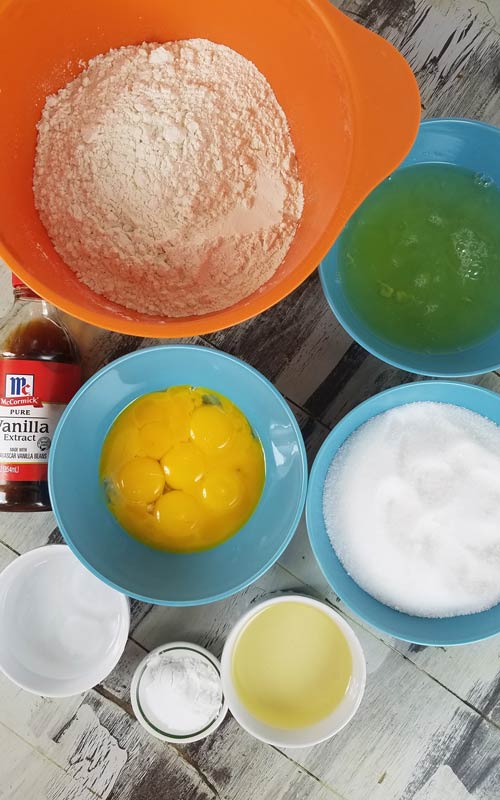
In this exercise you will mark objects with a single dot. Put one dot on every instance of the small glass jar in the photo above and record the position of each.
(39, 373)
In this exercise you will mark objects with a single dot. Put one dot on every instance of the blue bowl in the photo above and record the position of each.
(465, 143)
(95, 536)
(421, 630)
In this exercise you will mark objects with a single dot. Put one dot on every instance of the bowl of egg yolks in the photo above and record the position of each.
(178, 474)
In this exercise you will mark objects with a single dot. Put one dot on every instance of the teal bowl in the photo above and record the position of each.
(420, 630)
(95, 536)
(465, 143)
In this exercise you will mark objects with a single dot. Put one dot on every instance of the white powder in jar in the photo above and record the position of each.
(180, 691)
(166, 177)
(412, 507)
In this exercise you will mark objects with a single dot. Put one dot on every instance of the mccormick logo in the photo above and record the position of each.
(19, 391)
(19, 385)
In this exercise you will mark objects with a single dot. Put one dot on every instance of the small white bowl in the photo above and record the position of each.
(153, 725)
(310, 734)
(62, 630)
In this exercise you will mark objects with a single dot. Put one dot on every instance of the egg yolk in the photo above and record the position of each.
(119, 449)
(179, 514)
(211, 429)
(141, 480)
(183, 465)
(155, 439)
(222, 489)
(148, 409)
(182, 469)
(179, 406)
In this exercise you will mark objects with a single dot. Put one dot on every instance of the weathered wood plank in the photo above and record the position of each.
(413, 739)
(453, 49)
(25, 774)
(358, 376)
(295, 344)
(242, 768)
(395, 732)
(103, 752)
(96, 744)
(407, 727)
(6, 556)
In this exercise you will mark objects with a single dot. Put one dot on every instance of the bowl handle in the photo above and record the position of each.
(385, 105)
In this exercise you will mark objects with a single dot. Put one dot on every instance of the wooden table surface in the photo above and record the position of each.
(429, 724)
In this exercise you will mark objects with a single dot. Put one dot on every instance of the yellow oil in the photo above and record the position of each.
(291, 665)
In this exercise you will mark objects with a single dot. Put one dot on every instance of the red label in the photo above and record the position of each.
(33, 395)
(23, 472)
(31, 382)
(21, 401)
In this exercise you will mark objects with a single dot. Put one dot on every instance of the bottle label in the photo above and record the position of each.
(33, 395)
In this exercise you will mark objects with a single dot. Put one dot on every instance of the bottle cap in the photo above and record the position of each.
(17, 281)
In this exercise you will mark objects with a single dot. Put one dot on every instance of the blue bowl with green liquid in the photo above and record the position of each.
(415, 275)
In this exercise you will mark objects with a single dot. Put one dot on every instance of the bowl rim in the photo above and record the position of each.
(459, 122)
(19, 565)
(315, 533)
(209, 351)
(355, 648)
(141, 715)
(377, 50)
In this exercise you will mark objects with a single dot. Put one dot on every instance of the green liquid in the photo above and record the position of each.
(420, 259)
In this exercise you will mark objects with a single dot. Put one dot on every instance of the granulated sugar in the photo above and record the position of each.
(166, 177)
(412, 507)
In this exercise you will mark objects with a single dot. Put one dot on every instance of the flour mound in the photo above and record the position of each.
(166, 177)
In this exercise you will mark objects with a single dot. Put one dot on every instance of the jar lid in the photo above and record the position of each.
(17, 281)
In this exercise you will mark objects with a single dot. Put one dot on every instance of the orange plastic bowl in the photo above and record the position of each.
(351, 100)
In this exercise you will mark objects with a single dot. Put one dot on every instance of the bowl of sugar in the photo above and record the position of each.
(403, 512)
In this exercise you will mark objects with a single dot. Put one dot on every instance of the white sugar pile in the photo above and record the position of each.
(412, 508)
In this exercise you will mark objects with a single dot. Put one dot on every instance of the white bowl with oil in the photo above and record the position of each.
(297, 689)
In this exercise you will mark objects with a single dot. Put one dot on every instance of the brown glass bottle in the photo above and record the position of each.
(39, 373)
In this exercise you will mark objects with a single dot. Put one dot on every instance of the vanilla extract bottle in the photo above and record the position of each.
(39, 373)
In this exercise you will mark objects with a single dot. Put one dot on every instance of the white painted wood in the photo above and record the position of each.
(402, 716)
(26, 774)
(428, 728)
(445, 785)
(23, 532)
(6, 556)
(94, 743)
(106, 753)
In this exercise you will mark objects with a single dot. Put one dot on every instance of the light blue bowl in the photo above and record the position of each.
(465, 143)
(443, 632)
(91, 530)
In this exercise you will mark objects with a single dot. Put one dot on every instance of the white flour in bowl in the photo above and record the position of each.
(166, 177)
